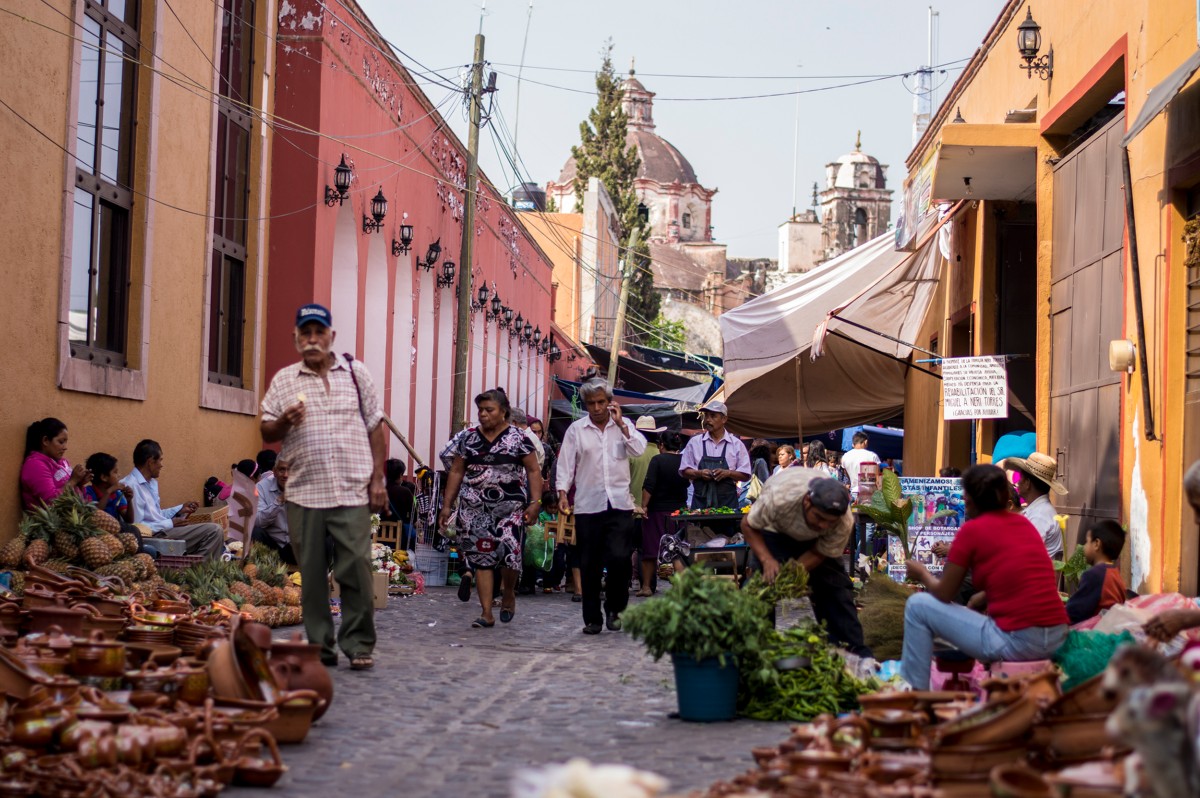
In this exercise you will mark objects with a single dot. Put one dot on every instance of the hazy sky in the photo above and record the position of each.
(712, 49)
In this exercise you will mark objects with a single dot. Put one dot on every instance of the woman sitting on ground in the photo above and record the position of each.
(46, 473)
(1005, 555)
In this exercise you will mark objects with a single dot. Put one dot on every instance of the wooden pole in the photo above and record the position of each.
(404, 441)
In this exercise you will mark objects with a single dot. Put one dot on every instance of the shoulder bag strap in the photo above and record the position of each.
(357, 390)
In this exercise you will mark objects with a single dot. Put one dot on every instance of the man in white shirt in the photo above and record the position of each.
(594, 459)
(207, 540)
(1039, 477)
(852, 463)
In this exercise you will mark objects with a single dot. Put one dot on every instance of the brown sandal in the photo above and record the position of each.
(362, 662)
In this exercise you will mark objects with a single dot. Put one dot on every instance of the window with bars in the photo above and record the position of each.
(103, 202)
(1191, 260)
(227, 299)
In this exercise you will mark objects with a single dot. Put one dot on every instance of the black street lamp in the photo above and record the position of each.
(497, 308)
(378, 211)
(1029, 43)
(402, 246)
(435, 252)
(341, 184)
(447, 277)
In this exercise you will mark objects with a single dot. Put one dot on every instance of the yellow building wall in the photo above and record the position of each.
(36, 53)
(1155, 36)
(558, 234)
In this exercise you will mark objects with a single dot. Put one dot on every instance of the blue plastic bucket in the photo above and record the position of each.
(707, 691)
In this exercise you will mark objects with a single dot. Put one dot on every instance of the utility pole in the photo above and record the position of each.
(623, 305)
(462, 341)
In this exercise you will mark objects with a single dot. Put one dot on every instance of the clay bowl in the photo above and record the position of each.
(1018, 781)
(819, 762)
(764, 755)
(18, 677)
(990, 725)
(138, 654)
(1042, 687)
(68, 619)
(225, 674)
(1088, 698)
(893, 723)
(1091, 780)
(960, 761)
(1072, 737)
(885, 772)
(964, 788)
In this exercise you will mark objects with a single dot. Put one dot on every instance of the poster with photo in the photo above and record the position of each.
(928, 495)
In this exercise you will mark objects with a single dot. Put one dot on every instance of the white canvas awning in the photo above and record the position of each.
(1161, 95)
(795, 359)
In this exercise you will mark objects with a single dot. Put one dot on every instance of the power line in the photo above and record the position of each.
(717, 77)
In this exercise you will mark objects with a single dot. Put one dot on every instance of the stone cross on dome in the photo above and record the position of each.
(858, 142)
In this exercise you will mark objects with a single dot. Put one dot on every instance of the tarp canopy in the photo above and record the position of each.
(1161, 95)
(635, 375)
(776, 384)
(887, 442)
(678, 361)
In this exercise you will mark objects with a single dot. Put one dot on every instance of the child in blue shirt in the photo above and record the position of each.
(106, 489)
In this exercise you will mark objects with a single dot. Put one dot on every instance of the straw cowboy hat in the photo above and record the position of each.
(1039, 466)
(646, 424)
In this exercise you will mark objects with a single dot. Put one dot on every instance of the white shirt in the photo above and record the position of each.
(596, 462)
(1040, 513)
(538, 448)
(147, 507)
(272, 517)
(852, 460)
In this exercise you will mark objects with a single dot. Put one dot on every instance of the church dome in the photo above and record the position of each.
(660, 160)
(857, 169)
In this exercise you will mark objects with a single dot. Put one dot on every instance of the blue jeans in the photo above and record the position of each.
(972, 633)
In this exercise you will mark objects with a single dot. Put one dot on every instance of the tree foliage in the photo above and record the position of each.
(666, 334)
(604, 153)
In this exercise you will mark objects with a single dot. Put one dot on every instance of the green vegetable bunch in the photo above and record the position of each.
(700, 616)
(820, 686)
(890, 509)
(1073, 567)
(791, 583)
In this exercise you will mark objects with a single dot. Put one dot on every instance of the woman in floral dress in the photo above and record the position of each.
(494, 477)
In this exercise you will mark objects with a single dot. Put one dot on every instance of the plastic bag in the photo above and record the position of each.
(539, 547)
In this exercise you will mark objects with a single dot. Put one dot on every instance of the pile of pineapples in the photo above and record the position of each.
(258, 586)
(71, 532)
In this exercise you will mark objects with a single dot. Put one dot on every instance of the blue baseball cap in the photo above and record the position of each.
(314, 312)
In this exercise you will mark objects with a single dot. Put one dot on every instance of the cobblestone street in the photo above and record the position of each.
(450, 710)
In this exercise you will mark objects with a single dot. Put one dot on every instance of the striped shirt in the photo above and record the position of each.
(329, 453)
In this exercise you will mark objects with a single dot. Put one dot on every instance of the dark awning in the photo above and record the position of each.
(1161, 95)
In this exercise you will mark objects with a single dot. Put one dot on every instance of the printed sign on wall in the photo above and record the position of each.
(974, 387)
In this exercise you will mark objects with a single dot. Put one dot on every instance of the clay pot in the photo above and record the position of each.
(109, 626)
(999, 724)
(97, 657)
(971, 760)
(1042, 688)
(251, 655)
(297, 666)
(892, 772)
(18, 677)
(297, 710)
(144, 617)
(151, 678)
(250, 771)
(74, 732)
(764, 755)
(138, 654)
(1073, 737)
(106, 604)
(1088, 698)
(1091, 780)
(191, 681)
(97, 751)
(69, 620)
(226, 676)
(814, 761)
(893, 723)
(171, 606)
(1018, 781)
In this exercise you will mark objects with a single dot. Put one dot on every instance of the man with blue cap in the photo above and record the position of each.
(326, 412)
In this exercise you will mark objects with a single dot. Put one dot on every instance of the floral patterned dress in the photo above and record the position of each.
(493, 497)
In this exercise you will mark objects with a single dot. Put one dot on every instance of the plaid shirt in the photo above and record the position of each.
(329, 453)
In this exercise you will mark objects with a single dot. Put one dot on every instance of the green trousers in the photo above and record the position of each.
(350, 530)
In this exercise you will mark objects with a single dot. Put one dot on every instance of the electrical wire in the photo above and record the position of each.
(715, 77)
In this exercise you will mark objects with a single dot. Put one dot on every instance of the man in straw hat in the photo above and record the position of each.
(1037, 478)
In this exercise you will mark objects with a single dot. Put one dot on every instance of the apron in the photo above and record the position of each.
(707, 494)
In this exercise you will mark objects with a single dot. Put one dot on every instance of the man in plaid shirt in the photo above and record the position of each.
(326, 412)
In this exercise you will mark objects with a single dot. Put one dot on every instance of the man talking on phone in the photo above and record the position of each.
(594, 459)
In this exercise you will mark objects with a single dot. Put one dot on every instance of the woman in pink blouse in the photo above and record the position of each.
(45, 473)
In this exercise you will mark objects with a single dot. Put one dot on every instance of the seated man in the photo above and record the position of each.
(271, 524)
(207, 540)
(803, 515)
(1101, 586)
(1007, 559)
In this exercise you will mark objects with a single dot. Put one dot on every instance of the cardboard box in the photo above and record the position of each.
(174, 548)
(379, 587)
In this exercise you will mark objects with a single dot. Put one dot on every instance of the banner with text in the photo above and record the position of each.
(929, 495)
(974, 387)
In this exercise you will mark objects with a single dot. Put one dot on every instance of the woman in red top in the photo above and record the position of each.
(1007, 559)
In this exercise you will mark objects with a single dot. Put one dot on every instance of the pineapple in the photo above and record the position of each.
(37, 550)
(18, 582)
(129, 542)
(115, 545)
(75, 519)
(13, 551)
(242, 593)
(104, 522)
(58, 565)
(266, 591)
(149, 569)
(228, 604)
(95, 551)
(291, 596)
(250, 569)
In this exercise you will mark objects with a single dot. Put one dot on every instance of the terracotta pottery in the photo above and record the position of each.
(97, 751)
(764, 755)
(95, 656)
(994, 723)
(109, 626)
(18, 677)
(226, 676)
(1018, 781)
(297, 710)
(1091, 780)
(819, 762)
(66, 618)
(964, 788)
(251, 655)
(893, 723)
(151, 678)
(138, 654)
(250, 771)
(1042, 688)
(297, 666)
(105, 604)
(1072, 737)
(1088, 698)
(191, 681)
(972, 760)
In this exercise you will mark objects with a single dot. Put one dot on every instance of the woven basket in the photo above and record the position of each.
(217, 514)
(177, 562)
